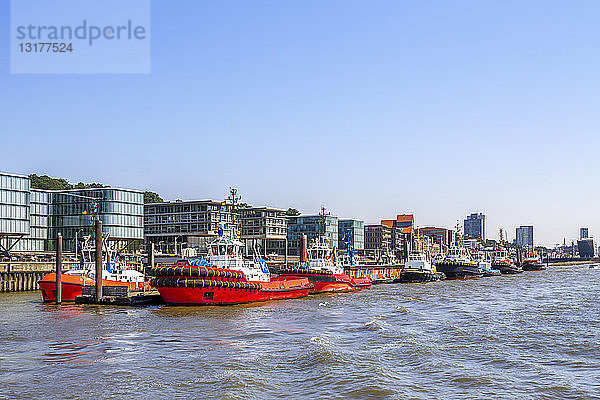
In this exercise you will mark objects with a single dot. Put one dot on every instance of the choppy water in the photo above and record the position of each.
(531, 336)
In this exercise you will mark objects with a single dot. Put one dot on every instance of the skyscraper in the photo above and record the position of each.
(584, 233)
(475, 226)
(524, 236)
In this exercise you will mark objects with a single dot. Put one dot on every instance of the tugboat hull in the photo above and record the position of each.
(458, 270)
(533, 266)
(325, 283)
(489, 273)
(416, 276)
(506, 269)
(216, 286)
(207, 292)
(72, 286)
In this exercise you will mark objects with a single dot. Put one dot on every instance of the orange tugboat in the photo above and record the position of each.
(323, 270)
(114, 273)
(224, 277)
(532, 261)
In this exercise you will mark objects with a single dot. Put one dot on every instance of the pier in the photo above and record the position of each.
(119, 296)
(20, 281)
(24, 276)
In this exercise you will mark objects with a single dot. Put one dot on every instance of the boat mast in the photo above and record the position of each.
(322, 217)
(349, 246)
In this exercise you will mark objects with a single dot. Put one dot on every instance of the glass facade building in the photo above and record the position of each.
(39, 217)
(524, 236)
(585, 247)
(352, 230)
(264, 229)
(120, 210)
(14, 209)
(475, 226)
(30, 219)
(175, 225)
(310, 225)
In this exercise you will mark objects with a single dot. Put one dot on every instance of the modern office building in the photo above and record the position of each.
(405, 221)
(474, 226)
(174, 225)
(584, 233)
(378, 240)
(311, 226)
(30, 219)
(524, 236)
(441, 236)
(586, 248)
(15, 199)
(401, 230)
(120, 210)
(351, 231)
(264, 229)
(39, 215)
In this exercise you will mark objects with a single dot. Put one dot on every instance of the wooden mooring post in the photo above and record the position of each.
(59, 243)
(151, 255)
(98, 239)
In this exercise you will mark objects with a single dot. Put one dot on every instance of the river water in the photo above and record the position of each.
(530, 336)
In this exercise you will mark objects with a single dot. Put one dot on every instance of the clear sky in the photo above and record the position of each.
(370, 108)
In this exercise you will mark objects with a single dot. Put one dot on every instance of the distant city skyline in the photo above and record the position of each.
(370, 109)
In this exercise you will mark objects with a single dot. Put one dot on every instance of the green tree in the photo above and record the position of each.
(82, 185)
(44, 182)
(292, 212)
(151, 197)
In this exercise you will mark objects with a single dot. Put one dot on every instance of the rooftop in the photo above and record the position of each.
(15, 175)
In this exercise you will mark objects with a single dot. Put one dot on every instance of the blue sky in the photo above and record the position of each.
(370, 108)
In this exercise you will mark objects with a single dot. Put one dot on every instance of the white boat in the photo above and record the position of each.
(321, 257)
(484, 263)
(225, 252)
(418, 266)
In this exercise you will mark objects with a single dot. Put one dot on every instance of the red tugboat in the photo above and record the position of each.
(224, 277)
(114, 273)
(323, 270)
